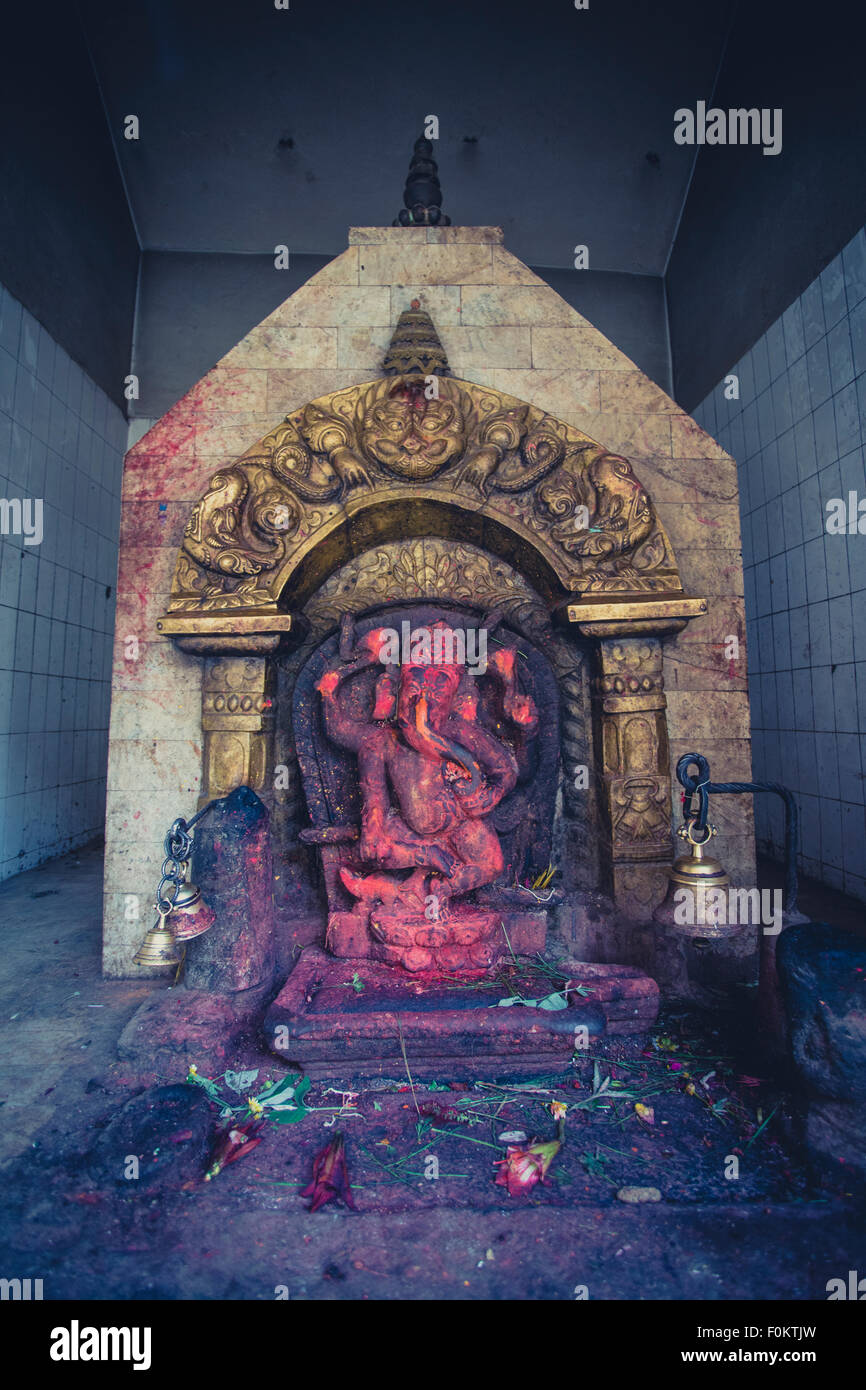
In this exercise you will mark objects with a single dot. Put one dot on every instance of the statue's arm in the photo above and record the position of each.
(373, 776)
(340, 727)
(499, 764)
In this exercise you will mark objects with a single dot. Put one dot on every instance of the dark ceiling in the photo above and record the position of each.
(262, 126)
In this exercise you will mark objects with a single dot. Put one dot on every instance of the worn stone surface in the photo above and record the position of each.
(822, 970)
(822, 974)
(765, 1237)
(166, 1131)
(175, 1026)
(433, 264)
(329, 1029)
(232, 856)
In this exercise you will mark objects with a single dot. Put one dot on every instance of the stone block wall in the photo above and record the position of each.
(500, 325)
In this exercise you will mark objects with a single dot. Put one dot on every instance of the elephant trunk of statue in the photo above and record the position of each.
(427, 740)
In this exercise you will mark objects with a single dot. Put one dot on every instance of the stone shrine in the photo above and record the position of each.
(425, 450)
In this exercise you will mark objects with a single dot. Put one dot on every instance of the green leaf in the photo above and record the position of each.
(290, 1113)
(287, 1114)
(284, 1089)
(240, 1081)
(594, 1164)
(553, 1002)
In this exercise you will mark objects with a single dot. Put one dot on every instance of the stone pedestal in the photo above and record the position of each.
(356, 1017)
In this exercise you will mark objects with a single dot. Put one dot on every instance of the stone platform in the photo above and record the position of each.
(322, 1023)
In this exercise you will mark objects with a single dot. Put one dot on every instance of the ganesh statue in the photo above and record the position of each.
(433, 761)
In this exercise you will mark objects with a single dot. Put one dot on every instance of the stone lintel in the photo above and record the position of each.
(226, 621)
(373, 236)
(231, 631)
(625, 615)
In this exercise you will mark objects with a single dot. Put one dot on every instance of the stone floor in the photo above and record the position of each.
(781, 1231)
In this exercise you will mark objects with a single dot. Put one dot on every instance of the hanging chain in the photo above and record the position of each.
(177, 848)
(698, 786)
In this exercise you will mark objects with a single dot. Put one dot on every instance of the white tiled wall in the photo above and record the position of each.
(798, 432)
(62, 440)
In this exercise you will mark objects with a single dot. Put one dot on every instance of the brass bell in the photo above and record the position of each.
(192, 916)
(690, 905)
(159, 946)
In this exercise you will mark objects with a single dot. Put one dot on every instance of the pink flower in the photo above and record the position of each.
(330, 1176)
(522, 1168)
(232, 1144)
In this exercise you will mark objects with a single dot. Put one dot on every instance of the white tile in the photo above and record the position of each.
(792, 327)
(10, 323)
(833, 292)
(776, 349)
(846, 414)
(812, 306)
(854, 264)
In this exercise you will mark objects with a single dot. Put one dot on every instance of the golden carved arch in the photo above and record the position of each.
(396, 458)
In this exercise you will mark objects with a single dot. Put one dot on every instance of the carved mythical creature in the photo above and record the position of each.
(413, 425)
(623, 516)
(502, 437)
(412, 436)
(226, 537)
(620, 513)
(430, 775)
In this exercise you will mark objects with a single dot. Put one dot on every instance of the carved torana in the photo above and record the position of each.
(423, 453)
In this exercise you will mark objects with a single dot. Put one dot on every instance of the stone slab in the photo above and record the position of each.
(322, 1023)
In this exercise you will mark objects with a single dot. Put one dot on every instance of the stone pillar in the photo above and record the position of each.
(632, 752)
(237, 718)
(633, 760)
(238, 691)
